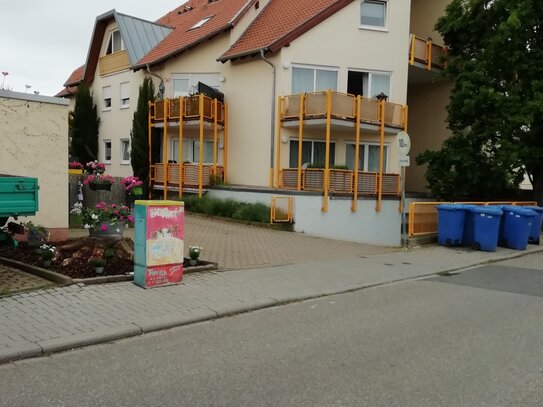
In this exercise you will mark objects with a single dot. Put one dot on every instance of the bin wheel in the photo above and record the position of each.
(476, 246)
(448, 243)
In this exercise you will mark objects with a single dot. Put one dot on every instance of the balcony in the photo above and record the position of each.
(113, 63)
(190, 175)
(315, 107)
(425, 54)
(341, 182)
(188, 108)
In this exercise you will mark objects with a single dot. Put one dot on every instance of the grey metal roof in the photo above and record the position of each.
(139, 36)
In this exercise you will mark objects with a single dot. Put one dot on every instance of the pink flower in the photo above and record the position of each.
(130, 218)
(113, 206)
(103, 227)
(116, 213)
(121, 218)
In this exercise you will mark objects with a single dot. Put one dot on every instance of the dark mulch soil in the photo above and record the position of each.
(79, 267)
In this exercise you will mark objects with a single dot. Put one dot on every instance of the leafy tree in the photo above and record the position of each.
(139, 135)
(496, 105)
(84, 126)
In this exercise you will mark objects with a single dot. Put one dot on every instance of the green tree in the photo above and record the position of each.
(84, 126)
(139, 135)
(496, 105)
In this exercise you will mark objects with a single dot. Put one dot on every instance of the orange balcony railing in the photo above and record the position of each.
(190, 107)
(190, 174)
(427, 53)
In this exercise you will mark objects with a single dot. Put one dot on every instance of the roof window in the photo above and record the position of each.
(201, 22)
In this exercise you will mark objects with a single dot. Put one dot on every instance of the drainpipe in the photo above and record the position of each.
(272, 135)
(161, 85)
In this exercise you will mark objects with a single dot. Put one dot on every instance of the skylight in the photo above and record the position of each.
(201, 22)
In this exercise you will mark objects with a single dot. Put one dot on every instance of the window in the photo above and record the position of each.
(373, 13)
(313, 79)
(200, 23)
(115, 43)
(125, 151)
(185, 84)
(107, 151)
(313, 152)
(125, 95)
(106, 94)
(368, 84)
(368, 159)
(191, 151)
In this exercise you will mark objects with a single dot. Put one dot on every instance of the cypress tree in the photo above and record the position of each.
(85, 123)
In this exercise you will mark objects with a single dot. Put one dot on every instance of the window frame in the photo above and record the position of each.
(189, 150)
(106, 108)
(315, 68)
(201, 22)
(110, 42)
(370, 74)
(123, 161)
(104, 143)
(192, 86)
(384, 27)
(121, 99)
(313, 141)
(386, 147)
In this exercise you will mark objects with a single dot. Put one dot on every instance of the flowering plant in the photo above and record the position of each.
(131, 183)
(47, 252)
(35, 234)
(77, 209)
(75, 165)
(104, 216)
(194, 252)
(97, 262)
(95, 168)
(99, 179)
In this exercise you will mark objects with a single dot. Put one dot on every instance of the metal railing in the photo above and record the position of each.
(281, 209)
(190, 106)
(341, 181)
(190, 174)
(423, 215)
(427, 53)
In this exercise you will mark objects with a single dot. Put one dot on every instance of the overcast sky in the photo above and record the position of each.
(42, 42)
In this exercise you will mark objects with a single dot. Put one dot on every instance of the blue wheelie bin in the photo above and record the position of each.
(535, 233)
(468, 238)
(450, 224)
(486, 227)
(516, 227)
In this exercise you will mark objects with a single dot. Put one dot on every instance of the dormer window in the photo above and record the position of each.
(115, 43)
(201, 22)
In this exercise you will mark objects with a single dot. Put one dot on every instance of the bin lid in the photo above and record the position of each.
(535, 208)
(519, 210)
(450, 207)
(469, 207)
(488, 210)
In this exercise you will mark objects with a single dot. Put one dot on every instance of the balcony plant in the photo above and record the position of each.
(98, 263)
(36, 235)
(99, 182)
(95, 168)
(194, 254)
(75, 168)
(107, 220)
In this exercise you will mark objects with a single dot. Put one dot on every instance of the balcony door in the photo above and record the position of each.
(368, 84)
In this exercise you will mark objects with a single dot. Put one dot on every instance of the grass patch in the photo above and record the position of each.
(228, 208)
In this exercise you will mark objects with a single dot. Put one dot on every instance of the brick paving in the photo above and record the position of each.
(13, 280)
(238, 246)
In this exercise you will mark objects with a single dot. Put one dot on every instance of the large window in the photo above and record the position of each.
(313, 152)
(185, 84)
(368, 159)
(115, 43)
(313, 79)
(368, 84)
(191, 151)
(373, 13)
(125, 151)
(125, 95)
(106, 95)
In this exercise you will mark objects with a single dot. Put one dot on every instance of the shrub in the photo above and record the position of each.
(228, 208)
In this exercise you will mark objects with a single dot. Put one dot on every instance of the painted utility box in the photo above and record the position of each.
(158, 243)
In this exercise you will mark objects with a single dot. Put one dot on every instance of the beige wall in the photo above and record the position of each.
(424, 16)
(34, 143)
(427, 126)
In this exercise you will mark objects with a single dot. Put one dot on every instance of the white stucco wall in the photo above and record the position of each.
(34, 143)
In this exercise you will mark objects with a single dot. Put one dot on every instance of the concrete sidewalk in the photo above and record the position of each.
(57, 319)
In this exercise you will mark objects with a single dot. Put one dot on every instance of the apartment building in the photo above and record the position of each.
(340, 78)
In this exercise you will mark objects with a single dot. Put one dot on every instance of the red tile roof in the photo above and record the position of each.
(67, 91)
(281, 22)
(225, 15)
(75, 77)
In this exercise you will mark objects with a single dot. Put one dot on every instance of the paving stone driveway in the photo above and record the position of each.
(238, 246)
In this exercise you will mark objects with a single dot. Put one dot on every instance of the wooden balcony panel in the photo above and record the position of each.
(289, 178)
(369, 110)
(313, 179)
(291, 107)
(159, 110)
(438, 55)
(341, 181)
(220, 112)
(159, 173)
(208, 108)
(420, 50)
(391, 185)
(394, 115)
(192, 107)
(113, 63)
(367, 183)
(173, 174)
(175, 108)
(343, 105)
(315, 104)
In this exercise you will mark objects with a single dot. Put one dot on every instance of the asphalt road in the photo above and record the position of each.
(472, 339)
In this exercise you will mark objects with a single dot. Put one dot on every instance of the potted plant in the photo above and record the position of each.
(106, 220)
(133, 185)
(36, 235)
(95, 168)
(194, 254)
(99, 182)
(75, 168)
(98, 263)
(47, 252)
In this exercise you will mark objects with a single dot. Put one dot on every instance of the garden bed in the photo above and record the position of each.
(78, 252)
